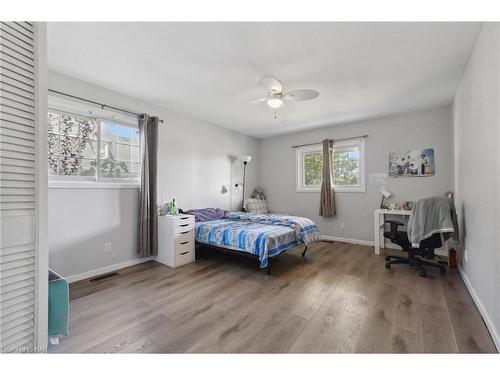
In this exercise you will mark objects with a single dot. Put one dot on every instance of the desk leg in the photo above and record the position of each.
(381, 230)
(376, 232)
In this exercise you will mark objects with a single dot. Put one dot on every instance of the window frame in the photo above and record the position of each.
(318, 148)
(78, 182)
(99, 140)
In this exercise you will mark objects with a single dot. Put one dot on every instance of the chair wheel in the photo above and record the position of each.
(423, 274)
(387, 265)
(442, 271)
(387, 259)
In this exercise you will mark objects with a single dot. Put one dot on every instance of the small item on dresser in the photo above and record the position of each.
(170, 208)
(163, 207)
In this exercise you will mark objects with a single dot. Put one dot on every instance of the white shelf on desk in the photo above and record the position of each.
(386, 211)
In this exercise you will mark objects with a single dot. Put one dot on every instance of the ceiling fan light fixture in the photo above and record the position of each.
(274, 103)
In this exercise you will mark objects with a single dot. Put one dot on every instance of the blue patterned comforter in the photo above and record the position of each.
(264, 235)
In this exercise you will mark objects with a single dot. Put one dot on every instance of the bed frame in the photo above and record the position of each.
(204, 246)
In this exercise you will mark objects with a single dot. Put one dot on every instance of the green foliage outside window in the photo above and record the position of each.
(76, 143)
(71, 144)
(313, 163)
(345, 167)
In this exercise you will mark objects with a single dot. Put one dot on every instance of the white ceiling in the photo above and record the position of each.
(210, 70)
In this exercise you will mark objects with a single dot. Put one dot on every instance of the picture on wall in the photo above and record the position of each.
(414, 163)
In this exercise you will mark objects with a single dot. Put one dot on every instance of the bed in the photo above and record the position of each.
(260, 235)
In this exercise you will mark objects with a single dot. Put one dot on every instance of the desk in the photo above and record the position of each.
(379, 226)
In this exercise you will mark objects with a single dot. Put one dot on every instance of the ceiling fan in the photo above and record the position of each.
(276, 97)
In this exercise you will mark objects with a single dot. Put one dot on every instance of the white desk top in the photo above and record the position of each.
(392, 212)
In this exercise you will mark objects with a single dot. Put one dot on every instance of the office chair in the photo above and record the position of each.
(415, 255)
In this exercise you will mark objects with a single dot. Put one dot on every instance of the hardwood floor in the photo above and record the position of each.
(339, 299)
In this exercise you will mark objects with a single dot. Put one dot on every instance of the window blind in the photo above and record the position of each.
(17, 185)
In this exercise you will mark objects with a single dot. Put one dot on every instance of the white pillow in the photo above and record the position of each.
(255, 206)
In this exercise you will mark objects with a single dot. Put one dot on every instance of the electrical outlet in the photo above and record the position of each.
(342, 227)
(465, 256)
(108, 247)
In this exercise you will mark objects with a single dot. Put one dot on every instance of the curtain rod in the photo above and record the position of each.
(339, 139)
(103, 106)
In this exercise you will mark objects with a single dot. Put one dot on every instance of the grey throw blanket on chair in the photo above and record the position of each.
(432, 215)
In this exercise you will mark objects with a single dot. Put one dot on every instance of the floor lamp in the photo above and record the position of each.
(245, 160)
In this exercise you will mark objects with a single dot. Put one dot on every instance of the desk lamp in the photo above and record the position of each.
(385, 194)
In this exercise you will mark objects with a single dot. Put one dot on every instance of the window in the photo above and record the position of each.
(347, 167)
(92, 149)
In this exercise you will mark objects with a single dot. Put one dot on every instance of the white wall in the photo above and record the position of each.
(423, 129)
(194, 162)
(477, 173)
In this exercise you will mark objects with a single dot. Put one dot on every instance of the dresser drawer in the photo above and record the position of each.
(184, 252)
(184, 258)
(184, 219)
(182, 237)
(185, 233)
(183, 227)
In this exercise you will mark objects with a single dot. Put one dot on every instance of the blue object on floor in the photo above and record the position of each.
(58, 304)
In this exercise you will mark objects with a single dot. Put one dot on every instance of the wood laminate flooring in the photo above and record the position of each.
(339, 299)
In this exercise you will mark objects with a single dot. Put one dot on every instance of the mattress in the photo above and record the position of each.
(262, 240)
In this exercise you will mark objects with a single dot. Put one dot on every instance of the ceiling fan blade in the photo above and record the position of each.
(256, 101)
(271, 84)
(298, 95)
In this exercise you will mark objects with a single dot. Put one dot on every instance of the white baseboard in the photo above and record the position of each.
(348, 240)
(487, 320)
(107, 269)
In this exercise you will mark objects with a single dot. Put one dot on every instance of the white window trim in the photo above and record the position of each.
(60, 184)
(301, 151)
(97, 182)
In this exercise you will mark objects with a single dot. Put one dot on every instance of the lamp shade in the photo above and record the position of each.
(384, 192)
(246, 158)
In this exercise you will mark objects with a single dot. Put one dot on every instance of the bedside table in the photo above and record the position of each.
(176, 240)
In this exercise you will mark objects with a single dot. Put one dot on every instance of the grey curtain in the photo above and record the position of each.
(148, 230)
(327, 203)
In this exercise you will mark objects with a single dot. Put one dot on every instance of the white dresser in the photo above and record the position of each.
(176, 240)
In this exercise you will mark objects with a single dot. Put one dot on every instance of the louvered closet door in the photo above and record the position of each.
(17, 185)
